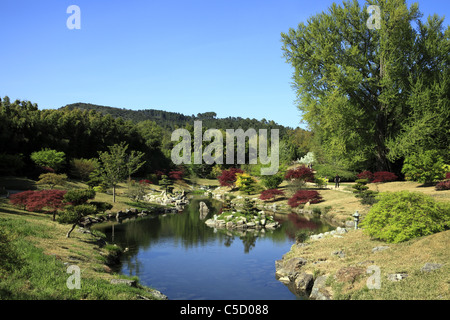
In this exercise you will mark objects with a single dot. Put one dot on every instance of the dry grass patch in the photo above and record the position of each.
(348, 276)
(412, 186)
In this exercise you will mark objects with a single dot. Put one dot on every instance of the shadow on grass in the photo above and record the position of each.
(427, 185)
(5, 207)
(17, 183)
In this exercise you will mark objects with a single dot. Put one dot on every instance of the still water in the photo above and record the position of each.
(183, 258)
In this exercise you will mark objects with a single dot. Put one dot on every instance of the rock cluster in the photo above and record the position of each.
(236, 221)
(164, 198)
(335, 233)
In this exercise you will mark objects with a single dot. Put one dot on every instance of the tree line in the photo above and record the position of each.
(83, 131)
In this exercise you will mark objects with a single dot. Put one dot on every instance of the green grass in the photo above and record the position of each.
(41, 254)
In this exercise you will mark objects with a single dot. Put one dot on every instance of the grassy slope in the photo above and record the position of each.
(43, 249)
(406, 257)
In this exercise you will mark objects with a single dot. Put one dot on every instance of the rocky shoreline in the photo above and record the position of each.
(289, 272)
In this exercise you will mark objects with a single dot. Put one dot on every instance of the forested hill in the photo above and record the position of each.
(173, 120)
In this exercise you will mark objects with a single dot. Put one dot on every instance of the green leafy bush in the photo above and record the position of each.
(361, 191)
(330, 171)
(404, 215)
(424, 167)
(272, 181)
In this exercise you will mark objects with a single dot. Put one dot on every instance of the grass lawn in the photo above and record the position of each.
(42, 254)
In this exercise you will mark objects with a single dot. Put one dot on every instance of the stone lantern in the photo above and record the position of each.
(356, 216)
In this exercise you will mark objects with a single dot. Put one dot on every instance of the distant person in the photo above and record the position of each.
(337, 180)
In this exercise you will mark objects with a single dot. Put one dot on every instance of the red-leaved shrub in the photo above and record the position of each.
(300, 173)
(228, 177)
(365, 175)
(304, 196)
(52, 200)
(447, 175)
(443, 185)
(270, 194)
(384, 176)
(176, 175)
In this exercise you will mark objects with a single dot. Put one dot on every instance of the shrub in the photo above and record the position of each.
(271, 181)
(380, 176)
(228, 177)
(245, 182)
(443, 185)
(99, 189)
(176, 175)
(77, 197)
(365, 175)
(82, 168)
(270, 194)
(101, 206)
(52, 200)
(321, 182)
(447, 175)
(384, 176)
(304, 196)
(49, 158)
(404, 215)
(361, 191)
(330, 171)
(424, 167)
(52, 179)
(300, 173)
(302, 235)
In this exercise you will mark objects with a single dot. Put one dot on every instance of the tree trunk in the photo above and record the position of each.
(71, 229)
(114, 193)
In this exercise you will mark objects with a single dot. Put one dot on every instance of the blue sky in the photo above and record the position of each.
(186, 56)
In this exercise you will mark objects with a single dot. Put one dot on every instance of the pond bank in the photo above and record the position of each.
(350, 265)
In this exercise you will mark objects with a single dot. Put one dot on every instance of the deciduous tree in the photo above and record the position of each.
(372, 96)
(117, 164)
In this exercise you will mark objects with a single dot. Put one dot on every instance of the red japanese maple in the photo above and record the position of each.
(300, 173)
(51, 200)
(177, 175)
(365, 175)
(304, 196)
(228, 177)
(270, 194)
(384, 176)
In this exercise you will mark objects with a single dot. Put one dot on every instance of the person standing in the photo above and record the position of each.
(337, 180)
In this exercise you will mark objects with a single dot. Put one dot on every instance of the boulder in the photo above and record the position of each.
(397, 276)
(319, 290)
(428, 267)
(203, 209)
(379, 248)
(289, 268)
(304, 282)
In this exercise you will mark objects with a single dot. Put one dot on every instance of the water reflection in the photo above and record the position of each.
(185, 259)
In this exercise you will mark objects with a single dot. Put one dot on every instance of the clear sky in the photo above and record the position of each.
(186, 56)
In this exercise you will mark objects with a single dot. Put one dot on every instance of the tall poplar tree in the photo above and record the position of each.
(355, 84)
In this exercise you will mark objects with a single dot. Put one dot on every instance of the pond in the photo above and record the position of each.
(183, 258)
